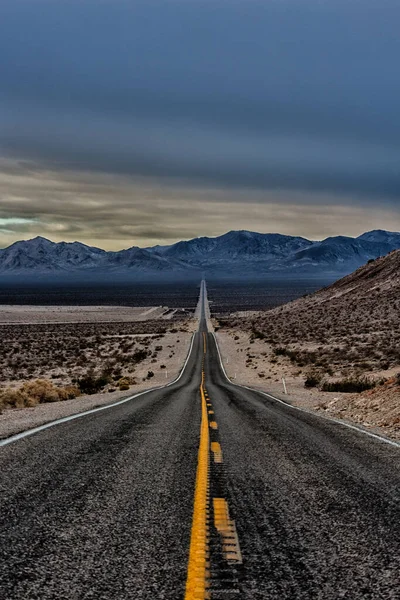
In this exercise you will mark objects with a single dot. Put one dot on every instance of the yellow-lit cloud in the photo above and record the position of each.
(115, 211)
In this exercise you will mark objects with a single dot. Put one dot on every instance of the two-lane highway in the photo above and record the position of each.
(200, 489)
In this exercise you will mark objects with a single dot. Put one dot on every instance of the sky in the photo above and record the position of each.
(127, 122)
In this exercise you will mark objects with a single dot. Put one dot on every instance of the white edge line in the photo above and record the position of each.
(326, 418)
(29, 432)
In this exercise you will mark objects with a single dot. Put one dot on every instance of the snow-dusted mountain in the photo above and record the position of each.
(236, 246)
(236, 254)
(43, 256)
(380, 236)
(344, 254)
(140, 259)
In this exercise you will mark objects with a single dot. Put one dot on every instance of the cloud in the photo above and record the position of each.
(235, 102)
(112, 211)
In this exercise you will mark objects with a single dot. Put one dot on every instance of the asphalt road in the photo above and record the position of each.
(101, 507)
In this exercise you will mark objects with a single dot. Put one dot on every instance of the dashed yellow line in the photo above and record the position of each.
(227, 529)
(216, 450)
(198, 573)
(213, 425)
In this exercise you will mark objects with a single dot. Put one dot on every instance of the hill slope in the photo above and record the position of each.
(347, 332)
(353, 322)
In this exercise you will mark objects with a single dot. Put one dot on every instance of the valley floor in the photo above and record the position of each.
(176, 345)
(27, 315)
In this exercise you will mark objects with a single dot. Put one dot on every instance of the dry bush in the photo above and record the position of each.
(36, 392)
(313, 379)
(349, 385)
(124, 384)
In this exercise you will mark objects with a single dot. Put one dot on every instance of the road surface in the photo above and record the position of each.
(202, 489)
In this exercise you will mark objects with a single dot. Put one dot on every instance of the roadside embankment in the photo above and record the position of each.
(253, 363)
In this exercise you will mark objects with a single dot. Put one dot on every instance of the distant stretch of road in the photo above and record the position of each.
(202, 489)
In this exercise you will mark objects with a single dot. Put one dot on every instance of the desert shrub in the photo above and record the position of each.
(124, 384)
(349, 385)
(41, 390)
(139, 355)
(280, 351)
(312, 380)
(116, 374)
(91, 384)
(11, 398)
(150, 374)
(257, 334)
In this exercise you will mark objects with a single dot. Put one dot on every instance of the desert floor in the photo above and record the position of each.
(61, 351)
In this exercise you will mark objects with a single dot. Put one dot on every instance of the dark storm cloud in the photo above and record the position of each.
(292, 94)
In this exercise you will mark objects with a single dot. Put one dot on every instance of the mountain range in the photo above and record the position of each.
(234, 254)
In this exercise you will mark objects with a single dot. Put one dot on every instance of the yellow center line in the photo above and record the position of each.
(198, 573)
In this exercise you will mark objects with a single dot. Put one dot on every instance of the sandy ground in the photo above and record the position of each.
(250, 364)
(13, 314)
(172, 356)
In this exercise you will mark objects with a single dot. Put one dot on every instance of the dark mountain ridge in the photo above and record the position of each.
(236, 254)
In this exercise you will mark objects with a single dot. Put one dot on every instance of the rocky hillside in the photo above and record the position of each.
(338, 349)
(351, 327)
